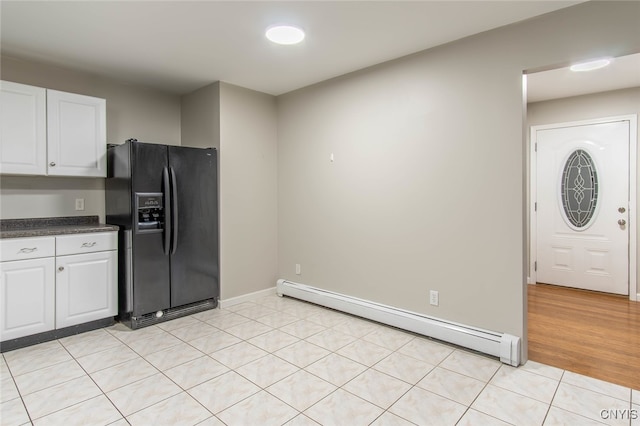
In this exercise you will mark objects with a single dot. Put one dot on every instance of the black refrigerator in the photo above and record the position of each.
(165, 201)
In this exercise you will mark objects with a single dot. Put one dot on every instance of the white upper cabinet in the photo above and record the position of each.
(48, 132)
(23, 131)
(77, 136)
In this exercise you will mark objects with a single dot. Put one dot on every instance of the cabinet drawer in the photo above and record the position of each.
(26, 248)
(86, 243)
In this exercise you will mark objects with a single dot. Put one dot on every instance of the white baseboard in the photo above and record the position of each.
(247, 297)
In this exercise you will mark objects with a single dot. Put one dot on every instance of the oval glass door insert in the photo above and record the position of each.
(579, 188)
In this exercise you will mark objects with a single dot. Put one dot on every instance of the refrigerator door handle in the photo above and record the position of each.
(128, 271)
(174, 211)
(167, 210)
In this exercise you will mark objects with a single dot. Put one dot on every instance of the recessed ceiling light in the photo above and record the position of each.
(591, 65)
(285, 34)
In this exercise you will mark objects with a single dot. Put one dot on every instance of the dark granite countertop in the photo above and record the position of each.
(39, 227)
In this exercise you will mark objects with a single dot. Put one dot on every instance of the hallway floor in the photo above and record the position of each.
(280, 361)
(591, 333)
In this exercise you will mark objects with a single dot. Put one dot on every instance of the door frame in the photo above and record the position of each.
(634, 293)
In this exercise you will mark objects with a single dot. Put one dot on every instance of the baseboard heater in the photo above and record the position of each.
(502, 345)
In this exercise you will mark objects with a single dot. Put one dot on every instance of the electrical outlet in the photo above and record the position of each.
(434, 298)
(79, 203)
(298, 271)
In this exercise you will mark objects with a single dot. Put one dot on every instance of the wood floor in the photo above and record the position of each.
(586, 332)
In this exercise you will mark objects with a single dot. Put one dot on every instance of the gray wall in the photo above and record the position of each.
(248, 191)
(241, 123)
(200, 117)
(132, 111)
(600, 105)
(427, 190)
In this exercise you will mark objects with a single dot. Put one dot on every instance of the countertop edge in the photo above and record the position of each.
(57, 230)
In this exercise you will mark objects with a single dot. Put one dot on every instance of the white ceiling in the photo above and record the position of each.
(622, 73)
(180, 46)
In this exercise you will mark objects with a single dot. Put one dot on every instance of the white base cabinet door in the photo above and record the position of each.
(85, 289)
(27, 297)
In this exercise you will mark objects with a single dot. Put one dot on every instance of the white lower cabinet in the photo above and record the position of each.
(27, 297)
(85, 289)
(41, 292)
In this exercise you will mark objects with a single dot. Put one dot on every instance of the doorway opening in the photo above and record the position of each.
(553, 103)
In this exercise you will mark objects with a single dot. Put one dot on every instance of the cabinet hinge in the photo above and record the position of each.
(535, 206)
(535, 147)
(535, 265)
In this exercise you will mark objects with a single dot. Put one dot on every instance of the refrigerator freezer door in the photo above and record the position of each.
(194, 264)
(151, 271)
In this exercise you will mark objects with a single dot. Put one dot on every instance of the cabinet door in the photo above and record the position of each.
(23, 143)
(27, 297)
(76, 132)
(86, 287)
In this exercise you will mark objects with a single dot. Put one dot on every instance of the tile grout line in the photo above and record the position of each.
(385, 410)
(169, 332)
(357, 338)
(478, 395)
(553, 398)
(300, 369)
(66, 381)
(13, 379)
(183, 390)
(20, 394)
(136, 381)
(257, 385)
(248, 379)
(85, 374)
(596, 391)
(412, 386)
(94, 382)
(560, 381)
(161, 372)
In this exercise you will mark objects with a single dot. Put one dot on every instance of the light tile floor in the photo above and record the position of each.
(280, 361)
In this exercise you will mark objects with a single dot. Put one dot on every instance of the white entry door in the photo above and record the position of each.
(582, 181)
